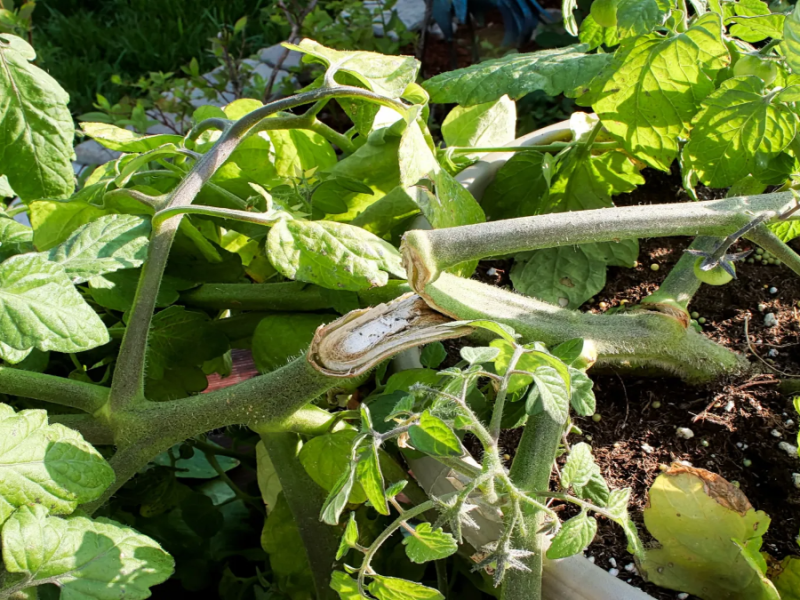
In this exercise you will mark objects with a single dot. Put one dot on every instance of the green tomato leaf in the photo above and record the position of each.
(452, 206)
(785, 230)
(581, 397)
(638, 17)
(385, 75)
(181, 338)
(596, 490)
(368, 473)
(88, 559)
(432, 436)
(54, 222)
(641, 108)
(550, 394)
(349, 538)
(326, 459)
(268, 482)
(553, 71)
(479, 356)
(737, 131)
(519, 188)
(414, 154)
(15, 238)
(116, 290)
(281, 540)
(334, 255)
(490, 124)
(433, 355)
(40, 308)
(338, 497)
(566, 276)
(110, 243)
(36, 128)
(394, 209)
(345, 586)
(790, 47)
(787, 579)
(755, 22)
(593, 34)
(391, 588)
(197, 465)
(579, 467)
(297, 149)
(573, 537)
(123, 140)
(618, 503)
(694, 515)
(46, 464)
(427, 544)
(277, 338)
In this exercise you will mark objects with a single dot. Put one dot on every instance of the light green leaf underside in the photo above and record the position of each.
(123, 140)
(555, 71)
(656, 86)
(36, 127)
(110, 243)
(88, 559)
(737, 132)
(46, 464)
(386, 75)
(790, 47)
(334, 255)
(40, 308)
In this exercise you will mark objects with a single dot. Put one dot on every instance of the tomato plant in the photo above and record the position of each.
(329, 254)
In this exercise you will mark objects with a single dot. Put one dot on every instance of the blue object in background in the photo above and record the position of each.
(520, 17)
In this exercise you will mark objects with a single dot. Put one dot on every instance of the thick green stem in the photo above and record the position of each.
(128, 383)
(631, 339)
(145, 430)
(305, 499)
(682, 284)
(428, 253)
(49, 388)
(531, 471)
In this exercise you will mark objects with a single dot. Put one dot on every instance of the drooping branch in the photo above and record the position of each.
(631, 339)
(428, 253)
(49, 388)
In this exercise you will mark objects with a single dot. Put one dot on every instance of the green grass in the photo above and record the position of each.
(82, 43)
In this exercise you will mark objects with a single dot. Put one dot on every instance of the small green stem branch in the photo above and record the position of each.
(554, 147)
(387, 533)
(293, 296)
(210, 211)
(682, 284)
(531, 471)
(128, 384)
(58, 390)
(500, 399)
(305, 499)
(770, 242)
(630, 339)
(428, 253)
(246, 498)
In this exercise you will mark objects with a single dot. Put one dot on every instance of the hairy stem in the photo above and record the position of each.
(428, 253)
(682, 284)
(305, 499)
(531, 471)
(631, 339)
(49, 388)
(128, 383)
(770, 242)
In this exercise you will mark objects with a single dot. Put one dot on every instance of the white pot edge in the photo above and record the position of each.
(573, 578)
